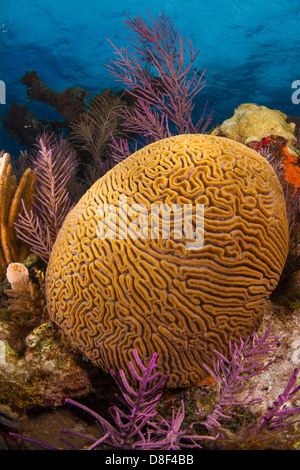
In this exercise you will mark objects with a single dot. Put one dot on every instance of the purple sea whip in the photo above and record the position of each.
(161, 75)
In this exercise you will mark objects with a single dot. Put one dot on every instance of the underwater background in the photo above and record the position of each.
(250, 49)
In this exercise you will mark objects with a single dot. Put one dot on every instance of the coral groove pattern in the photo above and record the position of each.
(112, 295)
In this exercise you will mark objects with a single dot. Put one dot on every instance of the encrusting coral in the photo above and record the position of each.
(252, 123)
(111, 292)
(12, 194)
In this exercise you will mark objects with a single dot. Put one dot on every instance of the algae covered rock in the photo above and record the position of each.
(47, 373)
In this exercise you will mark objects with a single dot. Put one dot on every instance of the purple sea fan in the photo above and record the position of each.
(55, 164)
(163, 83)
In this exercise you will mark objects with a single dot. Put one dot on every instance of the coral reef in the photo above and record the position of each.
(70, 103)
(128, 429)
(14, 197)
(276, 137)
(22, 124)
(139, 425)
(259, 127)
(162, 85)
(157, 291)
(115, 284)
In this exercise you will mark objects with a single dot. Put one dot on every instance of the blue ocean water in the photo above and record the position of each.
(250, 48)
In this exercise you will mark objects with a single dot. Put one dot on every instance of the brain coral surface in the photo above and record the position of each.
(163, 290)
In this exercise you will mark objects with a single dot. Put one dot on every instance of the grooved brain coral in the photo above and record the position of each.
(110, 295)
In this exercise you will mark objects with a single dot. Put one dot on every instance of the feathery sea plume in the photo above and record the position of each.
(231, 373)
(245, 361)
(93, 130)
(54, 163)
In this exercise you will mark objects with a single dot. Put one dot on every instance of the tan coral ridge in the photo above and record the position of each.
(110, 295)
(12, 249)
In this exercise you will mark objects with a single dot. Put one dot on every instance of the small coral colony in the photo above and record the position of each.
(139, 304)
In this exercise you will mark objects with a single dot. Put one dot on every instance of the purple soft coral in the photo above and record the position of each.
(163, 84)
(141, 426)
(278, 415)
(231, 373)
(55, 164)
(138, 425)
